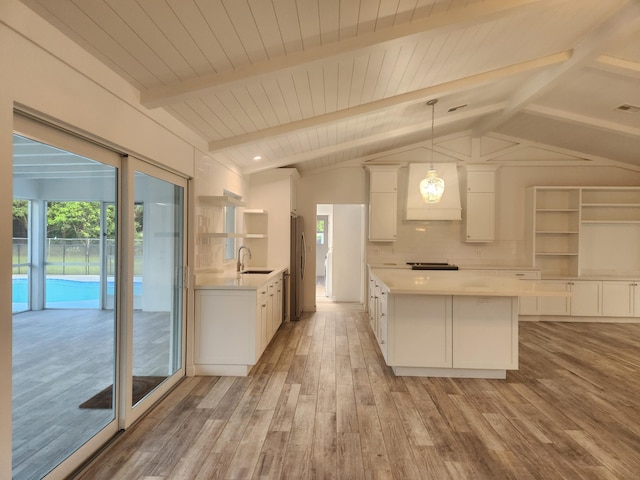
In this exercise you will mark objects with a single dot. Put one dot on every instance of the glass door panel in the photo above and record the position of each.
(64, 360)
(157, 287)
(20, 293)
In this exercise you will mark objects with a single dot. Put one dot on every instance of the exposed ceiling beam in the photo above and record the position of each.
(583, 120)
(375, 138)
(416, 96)
(618, 66)
(622, 22)
(476, 13)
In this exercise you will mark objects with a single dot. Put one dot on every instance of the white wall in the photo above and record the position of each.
(212, 179)
(6, 153)
(348, 253)
(47, 75)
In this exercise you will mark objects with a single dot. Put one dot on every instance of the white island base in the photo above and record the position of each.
(452, 336)
(449, 372)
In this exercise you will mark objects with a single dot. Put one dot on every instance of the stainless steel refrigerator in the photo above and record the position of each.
(298, 265)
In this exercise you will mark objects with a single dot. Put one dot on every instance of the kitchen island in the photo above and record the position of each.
(453, 324)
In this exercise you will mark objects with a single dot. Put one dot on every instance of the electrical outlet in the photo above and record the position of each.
(478, 252)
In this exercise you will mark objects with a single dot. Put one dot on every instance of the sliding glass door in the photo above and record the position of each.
(98, 263)
(156, 225)
(64, 340)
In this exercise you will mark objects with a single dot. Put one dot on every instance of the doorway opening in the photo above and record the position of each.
(340, 259)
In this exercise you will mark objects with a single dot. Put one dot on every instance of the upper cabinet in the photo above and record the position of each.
(480, 212)
(383, 203)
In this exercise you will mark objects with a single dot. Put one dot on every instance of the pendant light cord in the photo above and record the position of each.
(432, 103)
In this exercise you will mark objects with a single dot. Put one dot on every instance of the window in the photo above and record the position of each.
(320, 233)
(230, 227)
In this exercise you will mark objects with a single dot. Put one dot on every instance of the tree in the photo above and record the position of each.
(20, 218)
(73, 219)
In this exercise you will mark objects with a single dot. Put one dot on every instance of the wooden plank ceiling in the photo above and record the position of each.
(313, 83)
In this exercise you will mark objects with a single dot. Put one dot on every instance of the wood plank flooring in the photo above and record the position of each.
(321, 403)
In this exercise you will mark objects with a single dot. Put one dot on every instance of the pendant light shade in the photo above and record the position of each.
(432, 186)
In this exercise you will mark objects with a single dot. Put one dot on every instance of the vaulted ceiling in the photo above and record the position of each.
(313, 83)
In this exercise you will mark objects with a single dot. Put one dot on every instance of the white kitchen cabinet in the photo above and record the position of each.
(383, 217)
(226, 337)
(382, 321)
(455, 336)
(234, 326)
(420, 329)
(620, 298)
(480, 205)
(371, 303)
(585, 298)
(485, 332)
(383, 203)
(555, 305)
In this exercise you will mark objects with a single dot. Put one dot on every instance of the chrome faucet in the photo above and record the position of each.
(240, 264)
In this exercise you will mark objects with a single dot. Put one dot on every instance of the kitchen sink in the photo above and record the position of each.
(254, 272)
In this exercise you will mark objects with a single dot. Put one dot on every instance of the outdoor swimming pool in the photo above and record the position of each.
(65, 293)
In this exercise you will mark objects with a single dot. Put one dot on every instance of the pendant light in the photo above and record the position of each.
(432, 186)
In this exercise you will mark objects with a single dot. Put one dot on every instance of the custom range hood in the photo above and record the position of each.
(449, 206)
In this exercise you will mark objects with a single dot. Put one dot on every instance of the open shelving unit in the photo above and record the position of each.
(256, 228)
(585, 231)
(556, 227)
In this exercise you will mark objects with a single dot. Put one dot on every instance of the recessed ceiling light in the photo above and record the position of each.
(257, 157)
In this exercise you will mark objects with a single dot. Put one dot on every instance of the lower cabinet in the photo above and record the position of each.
(420, 331)
(485, 332)
(554, 305)
(589, 298)
(620, 298)
(233, 327)
(382, 321)
(444, 335)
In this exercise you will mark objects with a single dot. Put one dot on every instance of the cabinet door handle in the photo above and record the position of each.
(381, 342)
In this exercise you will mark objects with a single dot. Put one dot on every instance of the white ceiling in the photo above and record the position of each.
(313, 83)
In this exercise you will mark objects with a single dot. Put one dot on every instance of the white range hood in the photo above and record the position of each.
(448, 208)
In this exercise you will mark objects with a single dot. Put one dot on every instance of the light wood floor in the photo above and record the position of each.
(322, 404)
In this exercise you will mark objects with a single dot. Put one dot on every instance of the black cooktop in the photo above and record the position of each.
(432, 266)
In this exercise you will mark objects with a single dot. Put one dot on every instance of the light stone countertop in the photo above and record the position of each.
(438, 282)
(236, 281)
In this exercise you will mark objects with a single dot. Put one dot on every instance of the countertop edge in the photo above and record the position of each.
(229, 281)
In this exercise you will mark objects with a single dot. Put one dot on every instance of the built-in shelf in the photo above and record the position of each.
(221, 200)
(222, 235)
(573, 229)
(255, 223)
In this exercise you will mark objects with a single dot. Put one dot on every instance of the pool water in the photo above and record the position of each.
(65, 293)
